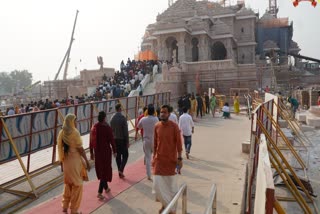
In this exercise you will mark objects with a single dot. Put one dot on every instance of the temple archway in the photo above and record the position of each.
(195, 49)
(218, 51)
(172, 49)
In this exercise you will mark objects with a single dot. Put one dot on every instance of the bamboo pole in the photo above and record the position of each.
(19, 157)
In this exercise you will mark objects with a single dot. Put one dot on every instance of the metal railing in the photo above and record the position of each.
(24, 136)
(266, 123)
(182, 192)
(212, 203)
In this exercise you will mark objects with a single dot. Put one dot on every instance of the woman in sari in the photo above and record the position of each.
(213, 103)
(74, 159)
(204, 107)
(193, 108)
(236, 104)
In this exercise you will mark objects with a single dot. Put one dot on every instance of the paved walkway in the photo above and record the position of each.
(216, 158)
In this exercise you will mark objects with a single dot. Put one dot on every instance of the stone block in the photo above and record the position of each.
(283, 123)
(313, 120)
(315, 111)
(246, 147)
(301, 116)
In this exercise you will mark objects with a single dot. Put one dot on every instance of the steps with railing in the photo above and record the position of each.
(182, 192)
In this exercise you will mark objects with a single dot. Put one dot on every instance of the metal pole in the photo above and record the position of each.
(69, 49)
(214, 204)
(55, 136)
(184, 201)
(64, 59)
(30, 141)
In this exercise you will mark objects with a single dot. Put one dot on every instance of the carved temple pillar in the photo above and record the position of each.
(181, 48)
(161, 48)
(203, 48)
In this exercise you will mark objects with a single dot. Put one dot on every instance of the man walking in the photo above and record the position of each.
(101, 148)
(207, 101)
(119, 127)
(173, 116)
(187, 128)
(147, 124)
(166, 157)
(199, 105)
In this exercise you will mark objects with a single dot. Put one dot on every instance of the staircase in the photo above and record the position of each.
(151, 87)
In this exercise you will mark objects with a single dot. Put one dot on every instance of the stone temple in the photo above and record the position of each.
(206, 46)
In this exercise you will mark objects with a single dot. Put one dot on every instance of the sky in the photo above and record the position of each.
(35, 34)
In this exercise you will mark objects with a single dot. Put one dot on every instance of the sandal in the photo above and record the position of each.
(121, 175)
(100, 196)
(160, 211)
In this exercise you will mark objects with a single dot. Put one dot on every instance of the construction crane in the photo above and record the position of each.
(272, 58)
(301, 56)
(67, 55)
(273, 8)
(30, 87)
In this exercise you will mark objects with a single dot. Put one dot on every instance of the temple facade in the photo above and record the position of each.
(205, 46)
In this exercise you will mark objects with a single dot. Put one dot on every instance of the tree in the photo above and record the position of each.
(5, 83)
(14, 81)
(21, 79)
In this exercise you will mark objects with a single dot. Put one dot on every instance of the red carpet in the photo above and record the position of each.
(134, 173)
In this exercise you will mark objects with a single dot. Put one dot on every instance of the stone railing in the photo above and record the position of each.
(210, 65)
(144, 83)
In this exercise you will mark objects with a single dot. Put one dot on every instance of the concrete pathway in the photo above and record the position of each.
(216, 158)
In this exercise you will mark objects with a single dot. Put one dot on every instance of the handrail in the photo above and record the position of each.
(293, 125)
(182, 191)
(212, 203)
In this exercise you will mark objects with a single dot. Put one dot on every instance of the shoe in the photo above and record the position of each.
(149, 178)
(187, 154)
(65, 210)
(100, 196)
(107, 190)
(121, 175)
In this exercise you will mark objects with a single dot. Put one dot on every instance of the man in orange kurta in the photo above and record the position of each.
(166, 157)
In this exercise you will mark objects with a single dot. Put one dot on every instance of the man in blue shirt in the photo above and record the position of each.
(294, 105)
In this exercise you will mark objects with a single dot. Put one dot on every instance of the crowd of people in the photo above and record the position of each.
(40, 105)
(199, 105)
(162, 145)
(128, 78)
(163, 133)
